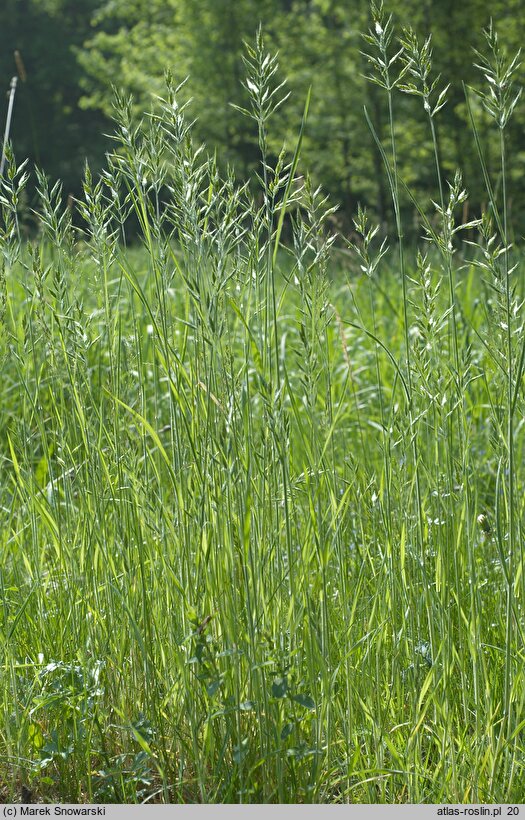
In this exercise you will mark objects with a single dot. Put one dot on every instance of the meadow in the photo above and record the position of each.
(262, 485)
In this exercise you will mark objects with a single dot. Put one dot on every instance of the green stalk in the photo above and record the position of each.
(510, 451)
(393, 176)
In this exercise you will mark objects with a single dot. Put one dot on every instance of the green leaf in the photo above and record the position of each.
(304, 700)
(213, 687)
(240, 751)
(35, 735)
(279, 688)
(287, 730)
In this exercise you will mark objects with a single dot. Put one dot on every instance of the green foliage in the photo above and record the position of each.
(261, 522)
(48, 125)
(76, 54)
(320, 44)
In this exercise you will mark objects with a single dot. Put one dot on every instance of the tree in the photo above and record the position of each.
(76, 53)
(48, 125)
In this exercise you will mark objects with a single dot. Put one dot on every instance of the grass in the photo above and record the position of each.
(261, 502)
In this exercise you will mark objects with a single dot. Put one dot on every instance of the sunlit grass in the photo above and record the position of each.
(261, 501)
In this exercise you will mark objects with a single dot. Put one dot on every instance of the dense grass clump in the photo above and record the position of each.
(261, 503)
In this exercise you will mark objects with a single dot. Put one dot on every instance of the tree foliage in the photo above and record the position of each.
(76, 54)
(48, 125)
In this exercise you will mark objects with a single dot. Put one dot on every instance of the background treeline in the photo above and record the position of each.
(75, 52)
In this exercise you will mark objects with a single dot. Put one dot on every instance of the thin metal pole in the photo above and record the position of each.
(12, 92)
